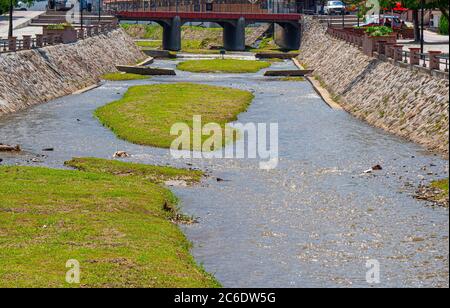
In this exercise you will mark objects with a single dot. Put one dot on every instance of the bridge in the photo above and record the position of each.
(232, 15)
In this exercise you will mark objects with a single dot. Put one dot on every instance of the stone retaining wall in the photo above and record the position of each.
(36, 76)
(405, 102)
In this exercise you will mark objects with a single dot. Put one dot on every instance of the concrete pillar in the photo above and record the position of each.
(398, 53)
(172, 34)
(234, 35)
(434, 60)
(26, 42)
(414, 56)
(12, 43)
(382, 47)
(389, 51)
(288, 35)
(51, 39)
(39, 40)
(88, 31)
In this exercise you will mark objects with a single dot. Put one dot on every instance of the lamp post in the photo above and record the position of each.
(99, 11)
(11, 11)
(422, 25)
(81, 15)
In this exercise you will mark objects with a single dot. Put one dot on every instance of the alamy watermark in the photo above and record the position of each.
(373, 274)
(73, 275)
(233, 140)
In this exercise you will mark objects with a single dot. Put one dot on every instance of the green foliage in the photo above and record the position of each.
(123, 77)
(223, 66)
(59, 26)
(443, 26)
(115, 221)
(146, 114)
(379, 31)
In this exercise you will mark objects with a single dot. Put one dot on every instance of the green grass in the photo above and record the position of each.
(149, 44)
(268, 45)
(154, 174)
(118, 227)
(223, 66)
(442, 185)
(146, 114)
(123, 77)
(298, 79)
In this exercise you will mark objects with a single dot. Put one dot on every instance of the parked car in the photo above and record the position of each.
(21, 6)
(385, 20)
(335, 7)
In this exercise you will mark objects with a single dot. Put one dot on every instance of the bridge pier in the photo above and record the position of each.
(288, 35)
(172, 34)
(234, 35)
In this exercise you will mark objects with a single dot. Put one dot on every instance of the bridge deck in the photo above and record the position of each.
(207, 16)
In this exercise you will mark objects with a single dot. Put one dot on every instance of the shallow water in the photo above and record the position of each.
(312, 222)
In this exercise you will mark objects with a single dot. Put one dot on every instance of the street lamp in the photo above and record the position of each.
(11, 10)
(99, 11)
(81, 15)
(422, 21)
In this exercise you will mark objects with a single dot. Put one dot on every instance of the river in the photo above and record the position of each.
(314, 221)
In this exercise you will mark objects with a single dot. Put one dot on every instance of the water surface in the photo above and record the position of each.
(312, 222)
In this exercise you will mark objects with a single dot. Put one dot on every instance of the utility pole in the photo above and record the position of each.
(99, 11)
(81, 15)
(11, 11)
(422, 26)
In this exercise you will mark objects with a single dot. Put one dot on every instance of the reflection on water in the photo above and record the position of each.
(312, 222)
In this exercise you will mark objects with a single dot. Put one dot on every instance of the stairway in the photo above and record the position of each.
(58, 17)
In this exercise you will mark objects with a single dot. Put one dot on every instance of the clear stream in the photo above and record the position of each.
(312, 222)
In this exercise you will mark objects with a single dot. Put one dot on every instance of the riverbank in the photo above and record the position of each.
(31, 77)
(113, 220)
(400, 101)
(312, 222)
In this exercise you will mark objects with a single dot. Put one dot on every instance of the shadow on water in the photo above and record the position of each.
(312, 222)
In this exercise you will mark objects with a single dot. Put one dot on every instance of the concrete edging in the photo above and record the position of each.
(323, 93)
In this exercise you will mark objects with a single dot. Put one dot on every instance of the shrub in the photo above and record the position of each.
(443, 26)
(59, 26)
(379, 31)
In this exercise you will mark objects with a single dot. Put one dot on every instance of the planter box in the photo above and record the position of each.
(68, 34)
(370, 43)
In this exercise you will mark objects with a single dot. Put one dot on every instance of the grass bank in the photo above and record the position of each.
(118, 227)
(146, 114)
(123, 77)
(223, 66)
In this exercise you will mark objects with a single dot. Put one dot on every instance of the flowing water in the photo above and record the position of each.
(314, 221)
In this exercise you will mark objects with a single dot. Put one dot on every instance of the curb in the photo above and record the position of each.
(321, 91)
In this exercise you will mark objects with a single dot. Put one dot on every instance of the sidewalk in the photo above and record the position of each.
(433, 41)
(20, 21)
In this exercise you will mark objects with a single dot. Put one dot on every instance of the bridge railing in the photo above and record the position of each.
(204, 6)
(27, 42)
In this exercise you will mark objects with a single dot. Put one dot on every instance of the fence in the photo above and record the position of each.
(386, 48)
(197, 6)
(13, 44)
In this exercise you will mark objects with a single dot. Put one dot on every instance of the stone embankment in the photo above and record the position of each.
(399, 100)
(36, 76)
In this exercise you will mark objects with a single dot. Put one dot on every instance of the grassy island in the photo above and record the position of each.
(146, 114)
(223, 66)
(114, 220)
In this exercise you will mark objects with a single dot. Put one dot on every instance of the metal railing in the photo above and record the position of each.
(205, 6)
(27, 42)
(433, 60)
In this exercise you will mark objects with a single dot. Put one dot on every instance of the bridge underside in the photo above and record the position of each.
(287, 34)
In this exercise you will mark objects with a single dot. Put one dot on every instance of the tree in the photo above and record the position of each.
(415, 6)
(9, 5)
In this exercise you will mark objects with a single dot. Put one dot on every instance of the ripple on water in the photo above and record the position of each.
(312, 222)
